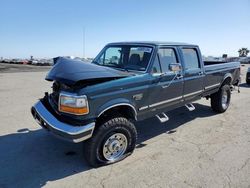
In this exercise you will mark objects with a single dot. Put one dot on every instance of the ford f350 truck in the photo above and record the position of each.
(99, 102)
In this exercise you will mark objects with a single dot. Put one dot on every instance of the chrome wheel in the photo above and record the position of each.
(224, 100)
(115, 146)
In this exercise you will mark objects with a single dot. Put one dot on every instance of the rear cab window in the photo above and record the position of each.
(191, 59)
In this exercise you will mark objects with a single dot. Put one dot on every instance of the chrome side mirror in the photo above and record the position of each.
(175, 67)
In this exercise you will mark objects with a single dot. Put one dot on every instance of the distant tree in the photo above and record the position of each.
(243, 52)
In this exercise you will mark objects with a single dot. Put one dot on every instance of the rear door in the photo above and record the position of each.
(193, 73)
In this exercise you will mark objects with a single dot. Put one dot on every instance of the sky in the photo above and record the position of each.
(50, 28)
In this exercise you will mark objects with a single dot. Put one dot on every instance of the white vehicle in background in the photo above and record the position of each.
(34, 62)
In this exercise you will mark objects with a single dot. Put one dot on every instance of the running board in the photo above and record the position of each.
(162, 117)
(190, 107)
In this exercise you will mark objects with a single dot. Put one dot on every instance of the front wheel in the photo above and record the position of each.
(112, 141)
(220, 101)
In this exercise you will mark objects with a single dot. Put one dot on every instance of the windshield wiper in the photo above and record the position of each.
(111, 66)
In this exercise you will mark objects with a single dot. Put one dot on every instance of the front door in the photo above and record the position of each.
(167, 87)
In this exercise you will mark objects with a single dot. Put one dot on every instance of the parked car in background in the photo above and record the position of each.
(244, 60)
(248, 76)
(34, 62)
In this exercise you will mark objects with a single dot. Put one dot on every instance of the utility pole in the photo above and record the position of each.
(83, 42)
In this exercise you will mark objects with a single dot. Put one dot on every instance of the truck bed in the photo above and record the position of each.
(216, 71)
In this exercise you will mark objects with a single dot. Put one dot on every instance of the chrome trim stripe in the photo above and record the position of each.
(143, 108)
(194, 93)
(163, 102)
(169, 100)
(119, 104)
(212, 86)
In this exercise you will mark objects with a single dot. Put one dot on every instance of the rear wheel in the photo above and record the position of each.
(220, 101)
(112, 141)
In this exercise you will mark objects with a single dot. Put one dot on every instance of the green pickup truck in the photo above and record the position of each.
(99, 102)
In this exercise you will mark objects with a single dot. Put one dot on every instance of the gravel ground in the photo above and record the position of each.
(193, 149)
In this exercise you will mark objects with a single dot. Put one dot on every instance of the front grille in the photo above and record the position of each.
(56, 91)
(56, 88)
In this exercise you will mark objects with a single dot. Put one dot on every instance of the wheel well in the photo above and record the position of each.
(227, 81)
(123, 110)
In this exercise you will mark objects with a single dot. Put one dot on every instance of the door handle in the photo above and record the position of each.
(179, 77)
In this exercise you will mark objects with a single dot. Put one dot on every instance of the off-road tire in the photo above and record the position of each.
(216, 99)
(93, 148)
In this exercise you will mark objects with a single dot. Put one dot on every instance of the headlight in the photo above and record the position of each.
(73, 104)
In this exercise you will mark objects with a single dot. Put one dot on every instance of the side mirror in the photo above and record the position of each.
(175, 67)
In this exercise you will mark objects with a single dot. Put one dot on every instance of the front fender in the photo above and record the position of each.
(114, 103)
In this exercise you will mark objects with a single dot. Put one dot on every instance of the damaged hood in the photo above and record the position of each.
(70, 71)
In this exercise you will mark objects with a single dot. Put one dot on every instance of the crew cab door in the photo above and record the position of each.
(167, 87)
(193, 73)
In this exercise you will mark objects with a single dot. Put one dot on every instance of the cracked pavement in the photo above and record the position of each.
(192, 149)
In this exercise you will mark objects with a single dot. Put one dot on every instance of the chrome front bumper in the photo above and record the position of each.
(63, 130)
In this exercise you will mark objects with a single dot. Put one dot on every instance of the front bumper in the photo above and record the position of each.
(63, 130)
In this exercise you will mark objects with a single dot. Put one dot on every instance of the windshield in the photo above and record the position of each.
(125, 57)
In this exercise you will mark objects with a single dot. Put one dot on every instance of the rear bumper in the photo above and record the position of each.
(63, 130)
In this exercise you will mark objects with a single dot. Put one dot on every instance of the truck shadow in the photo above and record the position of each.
(33, 158)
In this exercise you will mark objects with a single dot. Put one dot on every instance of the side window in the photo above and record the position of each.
(100, 60)
(156, 66)
(190, 58)
(112, 55)
(166, 56)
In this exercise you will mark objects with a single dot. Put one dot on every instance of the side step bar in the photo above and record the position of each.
(162, 117)
(190, 107)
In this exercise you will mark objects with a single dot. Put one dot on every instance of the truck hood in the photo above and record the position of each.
(70, 72)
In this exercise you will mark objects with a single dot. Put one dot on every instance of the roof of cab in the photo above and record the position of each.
(154, 43)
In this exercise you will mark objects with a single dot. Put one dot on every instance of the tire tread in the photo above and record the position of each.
(216, 99)
(91, 145)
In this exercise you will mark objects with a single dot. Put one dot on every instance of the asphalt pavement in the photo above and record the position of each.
(193, 149)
